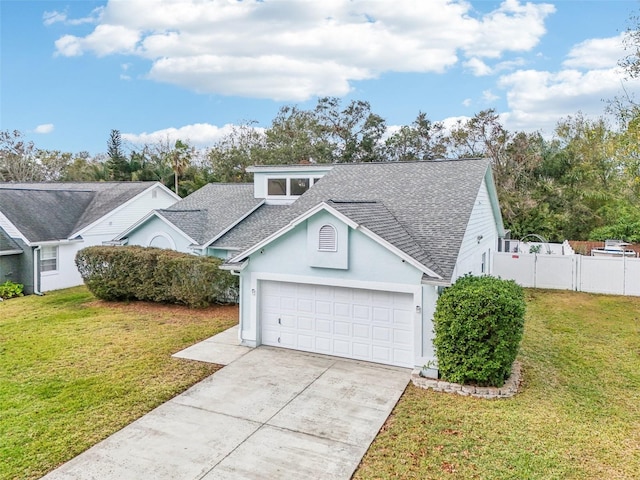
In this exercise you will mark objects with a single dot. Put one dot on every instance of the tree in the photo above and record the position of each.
(354, 131)
(422, 140)
(117, 164)
(18, 159)
(180, 158)
(230, 156)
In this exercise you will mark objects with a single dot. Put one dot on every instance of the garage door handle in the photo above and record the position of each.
(279, 321)
(278, 339)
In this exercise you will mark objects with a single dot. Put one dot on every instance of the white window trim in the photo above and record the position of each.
(288, 196)
(154, 235)
(56, 249)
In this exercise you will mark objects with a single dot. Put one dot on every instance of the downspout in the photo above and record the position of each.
(36, 271)
(237, 274)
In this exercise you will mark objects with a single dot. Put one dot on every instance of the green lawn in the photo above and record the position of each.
(73, 370)
(577, 416)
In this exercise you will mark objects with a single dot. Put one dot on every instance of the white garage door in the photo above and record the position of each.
(367, 325)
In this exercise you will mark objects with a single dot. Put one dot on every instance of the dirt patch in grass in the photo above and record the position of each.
(179, 313)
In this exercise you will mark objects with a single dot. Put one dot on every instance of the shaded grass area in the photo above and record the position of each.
(577, 415)
(74, 370)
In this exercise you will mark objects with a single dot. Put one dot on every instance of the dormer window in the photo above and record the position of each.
(289, 186)
(277, 186)
(327, 239)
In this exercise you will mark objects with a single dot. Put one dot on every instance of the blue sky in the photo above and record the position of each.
(71, 71)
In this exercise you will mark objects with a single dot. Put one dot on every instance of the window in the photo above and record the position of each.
(49, 259)
(277, 186)
(299, 185)
(327, 239)
(483, 265)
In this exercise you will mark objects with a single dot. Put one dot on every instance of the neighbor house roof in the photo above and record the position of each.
(7, 244)
(55, 211)
(421, 208)
(211, 210)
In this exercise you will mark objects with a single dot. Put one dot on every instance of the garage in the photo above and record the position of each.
(370, 325)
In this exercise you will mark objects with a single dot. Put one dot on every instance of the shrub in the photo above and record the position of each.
(9, 290)
(154, 275)
(479, 322)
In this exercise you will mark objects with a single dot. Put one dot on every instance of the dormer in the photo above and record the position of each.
(283, 184)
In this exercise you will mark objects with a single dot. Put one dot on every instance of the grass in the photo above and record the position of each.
(74, 370)
(576, 417)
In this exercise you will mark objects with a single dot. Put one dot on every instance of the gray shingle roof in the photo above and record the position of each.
(430, 202)
(7, 244)
(55, 211)
(210, 210)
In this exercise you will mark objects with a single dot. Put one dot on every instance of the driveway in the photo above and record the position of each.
(271, 413)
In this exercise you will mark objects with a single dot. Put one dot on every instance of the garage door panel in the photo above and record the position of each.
(342, 328)
(381, 315)
(361, 331)
(361, 311)
(323, 326)
(305, 324)
(342, 309)
(380, 333)
(354, 323)
(323, 308)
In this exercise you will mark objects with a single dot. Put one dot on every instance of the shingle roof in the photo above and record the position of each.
(430, 201)
(7, 244)
(55, 211)
(210, 210)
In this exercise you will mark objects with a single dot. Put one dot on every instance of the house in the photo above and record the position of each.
(43, 225)
(344, 259)
(195, 222)
(349, 259)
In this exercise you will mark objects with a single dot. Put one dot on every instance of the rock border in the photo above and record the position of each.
(508, 390)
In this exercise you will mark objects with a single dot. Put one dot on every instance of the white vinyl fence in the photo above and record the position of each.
(619, 276)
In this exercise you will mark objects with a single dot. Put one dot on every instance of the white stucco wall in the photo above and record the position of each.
(482, 223)
(370, 266)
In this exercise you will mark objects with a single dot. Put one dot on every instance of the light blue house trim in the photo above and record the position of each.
(371, 266)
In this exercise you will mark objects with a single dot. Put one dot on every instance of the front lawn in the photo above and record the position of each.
(74, 370)
(577, 416)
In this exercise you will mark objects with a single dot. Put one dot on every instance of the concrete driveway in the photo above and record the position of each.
(271, 413)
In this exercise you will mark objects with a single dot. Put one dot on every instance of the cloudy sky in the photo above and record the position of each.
(71, 71)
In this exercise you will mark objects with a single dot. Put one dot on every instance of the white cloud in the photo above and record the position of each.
(197, 134)
(293, 50)
(537, 99)
(466, 102)
(49, 18)
(596, 53)
(44, 128)
(488, 96)
(478, 67)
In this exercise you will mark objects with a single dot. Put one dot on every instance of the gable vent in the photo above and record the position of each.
(327, 239)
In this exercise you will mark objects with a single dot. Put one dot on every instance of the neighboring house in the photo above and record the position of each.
(196, 221)
(349, 259)
(43, 225)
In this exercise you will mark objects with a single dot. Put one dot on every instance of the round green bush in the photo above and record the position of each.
(479, 322)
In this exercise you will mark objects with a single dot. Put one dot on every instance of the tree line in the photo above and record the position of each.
(583, 183)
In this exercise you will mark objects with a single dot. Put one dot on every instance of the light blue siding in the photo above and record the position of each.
(481, 237)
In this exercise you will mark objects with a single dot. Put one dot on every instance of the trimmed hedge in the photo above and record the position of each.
(479, 323)
(154, 275)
